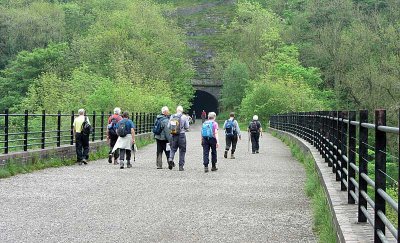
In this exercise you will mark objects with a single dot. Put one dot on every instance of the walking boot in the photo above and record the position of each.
(121, 164)
(128, 164)
(110, 156)
(181, 168)
(170, 164)
(232, 156)
(257, 152)
(205, 169)
(226, 154)
(214, 168)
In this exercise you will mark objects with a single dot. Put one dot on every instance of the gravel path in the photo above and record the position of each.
(254, 198)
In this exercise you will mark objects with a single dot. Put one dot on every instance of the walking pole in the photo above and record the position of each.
(248, 142)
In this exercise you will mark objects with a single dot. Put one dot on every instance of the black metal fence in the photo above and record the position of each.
(361, 155)
(22, 132)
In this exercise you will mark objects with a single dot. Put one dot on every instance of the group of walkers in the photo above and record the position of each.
(170, 134)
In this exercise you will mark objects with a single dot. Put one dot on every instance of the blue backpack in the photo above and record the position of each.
(157, 129)
(230, 128)
(207, 129)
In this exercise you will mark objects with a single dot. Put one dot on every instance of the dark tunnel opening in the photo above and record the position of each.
(203, 101)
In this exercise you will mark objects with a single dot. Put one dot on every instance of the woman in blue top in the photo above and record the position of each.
(126, 138)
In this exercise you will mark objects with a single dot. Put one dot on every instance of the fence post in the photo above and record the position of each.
(137, 123)
(26, 130)
(94, 126)
(363, 164)
(352, 156)
(332, 136)
(58, 128)
(6, 129)
(330, 139)
(43, 143)
(72, 128)
(102, 126)
(398, 183)
(337, 143)
(343, 150)
(146, 115)
(380, 171)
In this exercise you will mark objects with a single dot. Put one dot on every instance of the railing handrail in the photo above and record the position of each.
(59, 131)
(335, 134)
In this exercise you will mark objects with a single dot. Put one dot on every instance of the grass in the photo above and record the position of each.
(13, 168)
(323, 222)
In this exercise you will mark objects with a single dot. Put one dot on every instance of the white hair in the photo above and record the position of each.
(255, 118)
(164, 109)
(211, 115)
(117, 110)
(81, 112)
(179, 109)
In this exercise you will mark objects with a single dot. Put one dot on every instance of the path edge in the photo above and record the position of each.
(347, 228)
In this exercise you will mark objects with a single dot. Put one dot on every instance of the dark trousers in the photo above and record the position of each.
(112, 143)
(161, 147)
(255, 141)
(178, 141)
(122, 154)
(209, 143)
(231, 140)
(82, 146)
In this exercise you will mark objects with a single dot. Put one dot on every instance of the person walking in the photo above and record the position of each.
(255, 131)
(232, 133)
(203, 116)
(209, 140)
(194, 117)
(162, 135)
(125, 141)
(112, 135)
(81, 133)
(178, 125)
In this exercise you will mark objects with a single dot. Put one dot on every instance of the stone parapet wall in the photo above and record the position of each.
(62, 152)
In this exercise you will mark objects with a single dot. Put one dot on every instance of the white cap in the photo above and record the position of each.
(255, 118)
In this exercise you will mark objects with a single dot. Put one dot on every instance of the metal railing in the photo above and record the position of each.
(22, 132)
(345, 143)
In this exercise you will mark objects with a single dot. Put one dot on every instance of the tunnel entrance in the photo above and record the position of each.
(203, 101)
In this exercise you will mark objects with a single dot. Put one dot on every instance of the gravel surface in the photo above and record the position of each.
(254, 198)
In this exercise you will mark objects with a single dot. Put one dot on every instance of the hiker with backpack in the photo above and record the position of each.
(162, 135)
(178, 125)
(232, 133)
(203, 116)
(126, 140)
(82, 130)
(255, 131)
(112, 135)
(209, 141)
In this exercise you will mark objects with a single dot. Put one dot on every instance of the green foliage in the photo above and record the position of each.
(353, 42)
(235, 79)
(20, 73)
(120, 53)
(279, 82)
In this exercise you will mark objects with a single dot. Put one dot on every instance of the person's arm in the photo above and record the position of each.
(216, 133)
(224, 125)
(261, 131)
(186, 125)
(238, 129)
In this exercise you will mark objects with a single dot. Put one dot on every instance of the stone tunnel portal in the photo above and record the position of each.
(204, 101)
